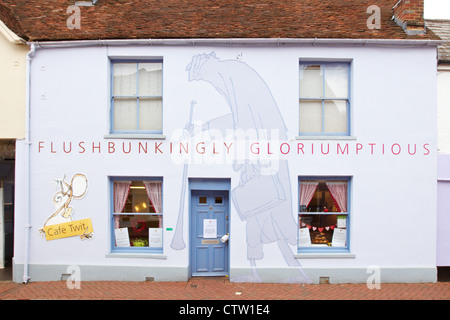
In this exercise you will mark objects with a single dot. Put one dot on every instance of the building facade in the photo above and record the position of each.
(301, 155)
(227, 145)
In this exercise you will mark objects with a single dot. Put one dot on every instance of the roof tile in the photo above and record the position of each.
(172, 19)
(442, 29)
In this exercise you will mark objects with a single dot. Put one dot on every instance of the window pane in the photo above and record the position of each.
(336, 116)
(336, 81)
(323, 213)
(125, 79)
(138, 225)
(311, 81)
(125, 114)
(141, 229)
(329, 196)
(150, 79)
(310, 116)
(321, 228)
(137, 200)
(150, 114)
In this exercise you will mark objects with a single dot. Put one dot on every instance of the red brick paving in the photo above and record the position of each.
(219, 289)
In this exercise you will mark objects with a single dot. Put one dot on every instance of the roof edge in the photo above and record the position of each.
(239, 41)
(10, 35)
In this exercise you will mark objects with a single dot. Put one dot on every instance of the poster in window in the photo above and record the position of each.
(342, 222)
(339, 237)
(155, 237)
(304, 238)
(122, 237)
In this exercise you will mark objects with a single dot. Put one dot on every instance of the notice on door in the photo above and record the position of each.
(209, 228)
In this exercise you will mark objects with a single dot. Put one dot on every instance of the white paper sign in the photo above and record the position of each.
(339, 237)
(122, 237)
(155, 237)
(304, 239)
(342, 222)
(209, 228)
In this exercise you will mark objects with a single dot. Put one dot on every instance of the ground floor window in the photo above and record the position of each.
(137, 216)
(323, 213)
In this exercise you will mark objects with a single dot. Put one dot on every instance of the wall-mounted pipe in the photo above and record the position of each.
(27, 144)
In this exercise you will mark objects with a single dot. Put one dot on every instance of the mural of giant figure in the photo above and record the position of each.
(263, 198)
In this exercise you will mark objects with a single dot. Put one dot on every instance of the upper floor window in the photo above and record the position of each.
(136, 97)
(324, 99)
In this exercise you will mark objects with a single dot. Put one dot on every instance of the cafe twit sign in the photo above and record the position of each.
(60, 223)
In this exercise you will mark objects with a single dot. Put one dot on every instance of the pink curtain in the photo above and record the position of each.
(339, 193)
(121, 190)
(154, 193)
(307, 190)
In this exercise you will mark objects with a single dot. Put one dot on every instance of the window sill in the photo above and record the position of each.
(325, 138)
(136, 255)
(155, 136)
(325, 255)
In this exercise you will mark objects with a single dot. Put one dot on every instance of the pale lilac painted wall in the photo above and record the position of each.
(443, 211)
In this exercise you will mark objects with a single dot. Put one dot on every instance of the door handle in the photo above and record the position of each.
(225, 238)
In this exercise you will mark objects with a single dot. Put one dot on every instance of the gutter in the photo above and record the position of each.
(27, 225)
(241, 41)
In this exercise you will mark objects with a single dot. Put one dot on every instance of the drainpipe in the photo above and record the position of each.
(27, 210)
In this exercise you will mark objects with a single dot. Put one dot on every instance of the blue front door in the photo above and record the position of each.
(209, 223)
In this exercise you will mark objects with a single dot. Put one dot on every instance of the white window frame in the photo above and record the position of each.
(115, 132)
(301, 211)
(114, 248)
(323, 99)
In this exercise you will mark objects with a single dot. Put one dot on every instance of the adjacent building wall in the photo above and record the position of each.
(12, 84)
(443, 225)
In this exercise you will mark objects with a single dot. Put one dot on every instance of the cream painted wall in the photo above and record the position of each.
(12, 85)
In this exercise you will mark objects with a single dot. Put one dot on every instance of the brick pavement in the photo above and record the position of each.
(221, 298)
(219, 289)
